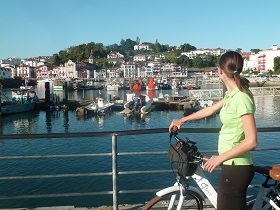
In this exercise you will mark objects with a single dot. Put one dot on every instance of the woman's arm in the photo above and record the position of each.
(250, 142)
(205, 112)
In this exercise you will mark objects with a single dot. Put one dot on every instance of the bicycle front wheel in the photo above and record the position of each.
(192, 201)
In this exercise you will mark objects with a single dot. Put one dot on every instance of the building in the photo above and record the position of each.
(130, 70)
(262, 61)
(6, 72)
(141, 47)
(113, 73)
(10, 61)
(114, 55)
(266, 58)
(172, 70)
(155, 68)
(91, 58)
(139, 57)
(42, 72)
(24, 71)
(204, 51)
(100, 74)
(71, 69)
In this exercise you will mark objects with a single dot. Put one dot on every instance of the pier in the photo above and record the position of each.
(217, 94)
(169, 103)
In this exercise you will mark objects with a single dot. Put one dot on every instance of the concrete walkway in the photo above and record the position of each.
(121, 207)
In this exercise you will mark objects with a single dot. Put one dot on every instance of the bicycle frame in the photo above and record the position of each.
(258, 204)
(202, 182)
(206, 187)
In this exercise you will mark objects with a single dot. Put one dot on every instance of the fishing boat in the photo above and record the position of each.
(23, 99)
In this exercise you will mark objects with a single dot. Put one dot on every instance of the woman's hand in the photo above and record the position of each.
(176, 122)
(212, 163)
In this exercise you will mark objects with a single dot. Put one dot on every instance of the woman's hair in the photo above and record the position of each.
(232, 64)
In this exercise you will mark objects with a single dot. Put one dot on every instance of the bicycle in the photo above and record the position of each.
(184, 196)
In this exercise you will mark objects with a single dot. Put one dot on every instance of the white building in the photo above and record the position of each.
(263, 60)
(204, 51)
(130, 70)
(266, 58)
(139, 57)
(30, 62)
(70, 69)
(24, 71)
(114, 55)
(141, 47)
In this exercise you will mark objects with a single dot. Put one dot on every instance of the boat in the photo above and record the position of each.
(200, 104)
(99, 108)
(137, 103)
(23, 99)
(113, 87)
(151, 84)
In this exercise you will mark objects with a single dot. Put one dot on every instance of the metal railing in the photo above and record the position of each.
(114, 135)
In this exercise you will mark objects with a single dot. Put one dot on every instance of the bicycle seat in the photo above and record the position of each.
(274, 173)
(277, 166)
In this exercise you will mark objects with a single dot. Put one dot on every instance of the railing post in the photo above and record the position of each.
(115, 172)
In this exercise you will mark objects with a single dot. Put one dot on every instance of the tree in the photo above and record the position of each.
(239, 50)
(277, 64)
(255, 50)
(198, 62)
(187, 48)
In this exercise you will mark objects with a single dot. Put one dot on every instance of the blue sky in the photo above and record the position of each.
(30, 28)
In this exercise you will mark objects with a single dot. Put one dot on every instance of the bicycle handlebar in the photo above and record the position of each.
(174, 132)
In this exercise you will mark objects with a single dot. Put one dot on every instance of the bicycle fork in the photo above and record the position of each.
(181, 198)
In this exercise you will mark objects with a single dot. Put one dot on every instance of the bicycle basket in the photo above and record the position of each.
(180, 156)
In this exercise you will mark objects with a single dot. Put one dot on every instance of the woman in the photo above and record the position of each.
(237, 136)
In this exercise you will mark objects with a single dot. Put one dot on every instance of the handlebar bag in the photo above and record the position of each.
(180, 157)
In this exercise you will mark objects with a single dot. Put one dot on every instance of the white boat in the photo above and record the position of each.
(113, 87)
(44, 80)
(200, 104)
(23, 100)
(160, 97)
(98, 108)
(137, 104)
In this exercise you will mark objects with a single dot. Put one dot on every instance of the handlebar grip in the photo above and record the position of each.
(175, 128)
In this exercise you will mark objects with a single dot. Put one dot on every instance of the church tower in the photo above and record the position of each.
(91, 58)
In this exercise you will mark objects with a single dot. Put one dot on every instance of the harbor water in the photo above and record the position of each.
(267, 115)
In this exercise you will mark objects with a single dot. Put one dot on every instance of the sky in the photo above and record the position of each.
(31, 28)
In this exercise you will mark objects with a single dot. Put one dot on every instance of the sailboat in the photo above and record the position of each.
(151, 84)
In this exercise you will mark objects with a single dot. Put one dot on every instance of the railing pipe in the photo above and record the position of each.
(115, 172)
(114, 155)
